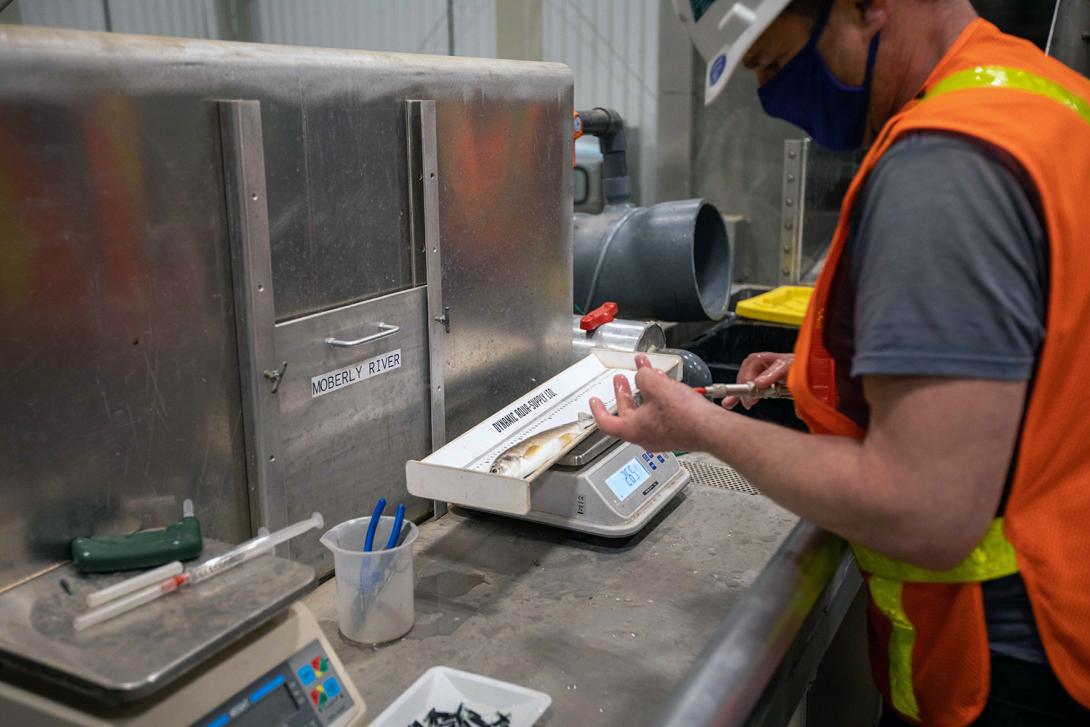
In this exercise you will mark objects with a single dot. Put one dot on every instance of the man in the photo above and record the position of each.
(941, 368)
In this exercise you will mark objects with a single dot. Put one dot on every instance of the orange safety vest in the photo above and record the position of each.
(929, 645)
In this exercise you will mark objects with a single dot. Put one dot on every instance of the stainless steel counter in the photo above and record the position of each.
(606, 628)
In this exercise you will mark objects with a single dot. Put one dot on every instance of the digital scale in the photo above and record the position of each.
(606, 487)
(235, 651)
(600, 485)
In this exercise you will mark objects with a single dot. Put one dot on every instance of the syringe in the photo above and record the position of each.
(212, 567)
(748, 390)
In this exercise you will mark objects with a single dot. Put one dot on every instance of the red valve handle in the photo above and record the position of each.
(601, 315)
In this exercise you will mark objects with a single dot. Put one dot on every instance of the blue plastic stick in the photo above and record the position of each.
(369, 541)
(395, 534)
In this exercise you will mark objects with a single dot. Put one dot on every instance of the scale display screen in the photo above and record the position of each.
(272, 704)
(624, 481)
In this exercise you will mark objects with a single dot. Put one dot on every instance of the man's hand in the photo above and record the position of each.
(764, 369)
(672, 416)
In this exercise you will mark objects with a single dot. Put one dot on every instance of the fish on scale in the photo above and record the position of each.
(526, 457)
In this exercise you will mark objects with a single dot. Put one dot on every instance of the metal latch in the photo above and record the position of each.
(275, 376)
(444, 319)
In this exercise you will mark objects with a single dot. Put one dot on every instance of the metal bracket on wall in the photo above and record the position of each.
(795, 153)
(424, 225)
(255, 316)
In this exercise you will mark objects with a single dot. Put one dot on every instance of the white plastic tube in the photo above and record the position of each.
(151, 577)
(129, 602)
(253, 548)
(212, 567)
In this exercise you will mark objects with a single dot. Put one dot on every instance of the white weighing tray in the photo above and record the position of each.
(458, 472)
(444, 689)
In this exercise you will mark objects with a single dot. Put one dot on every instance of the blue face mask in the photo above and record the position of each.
(806, 93)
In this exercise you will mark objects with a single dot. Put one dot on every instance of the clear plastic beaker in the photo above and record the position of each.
(374, 590)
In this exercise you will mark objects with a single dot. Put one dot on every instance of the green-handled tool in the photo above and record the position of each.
(142, 549)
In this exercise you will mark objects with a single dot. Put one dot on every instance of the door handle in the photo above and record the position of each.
(384, 330)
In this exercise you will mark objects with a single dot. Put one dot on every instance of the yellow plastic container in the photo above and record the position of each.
(786, 305)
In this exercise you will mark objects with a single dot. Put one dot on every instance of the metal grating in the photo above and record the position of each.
(715, 474)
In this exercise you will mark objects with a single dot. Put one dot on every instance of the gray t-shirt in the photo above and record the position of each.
(945, 274)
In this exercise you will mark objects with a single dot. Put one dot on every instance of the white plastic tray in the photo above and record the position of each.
(458, 472)
(444, 689)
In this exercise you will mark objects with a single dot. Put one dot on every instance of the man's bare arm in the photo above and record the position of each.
(922, 485)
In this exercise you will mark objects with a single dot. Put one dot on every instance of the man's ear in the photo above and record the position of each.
(874, 14)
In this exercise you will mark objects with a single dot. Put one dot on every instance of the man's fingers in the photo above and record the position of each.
(751, 367)
(772, 374)
(598, 409)
(651, 381)
(623, 389)
(643, 362)
(607, 423)
(730, 402)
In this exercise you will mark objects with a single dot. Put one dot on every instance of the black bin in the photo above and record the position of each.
(726, 345)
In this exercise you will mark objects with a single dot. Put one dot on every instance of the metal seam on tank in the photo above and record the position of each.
(602, 255)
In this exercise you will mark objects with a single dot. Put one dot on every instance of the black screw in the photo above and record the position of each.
(462, 717)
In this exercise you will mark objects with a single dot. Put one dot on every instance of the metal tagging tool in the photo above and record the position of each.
(592, 483)
(747, 390)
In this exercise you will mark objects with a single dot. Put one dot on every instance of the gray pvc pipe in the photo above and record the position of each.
(668, 262)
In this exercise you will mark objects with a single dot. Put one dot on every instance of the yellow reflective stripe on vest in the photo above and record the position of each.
(992, 558)
(902, 637)
(1014, 78)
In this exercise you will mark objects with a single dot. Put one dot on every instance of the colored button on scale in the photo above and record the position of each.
(306, 674)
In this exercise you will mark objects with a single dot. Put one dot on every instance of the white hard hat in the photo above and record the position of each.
(723, 30)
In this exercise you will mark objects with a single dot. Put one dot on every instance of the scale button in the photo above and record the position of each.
(662, 459)
(314, 695)
(219, 721)
(306, 674)
(332, 688)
